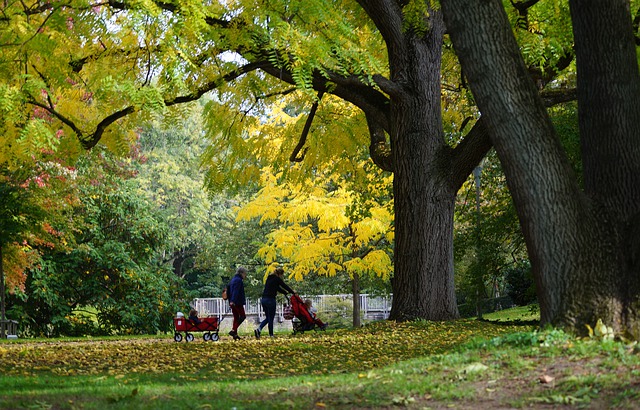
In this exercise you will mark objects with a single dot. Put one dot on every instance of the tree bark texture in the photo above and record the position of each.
(427, 172)
(571, 247)
(608, 103)
(423, 285)
(608, 114)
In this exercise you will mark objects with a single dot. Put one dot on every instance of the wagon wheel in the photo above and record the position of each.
(206, 336)
(214, 337)
(189, 337)
(177, 337)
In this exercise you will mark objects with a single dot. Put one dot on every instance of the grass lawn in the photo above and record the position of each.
(464, 364)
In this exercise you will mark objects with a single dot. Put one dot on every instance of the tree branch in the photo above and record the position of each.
(89, 141)
(350, 89)
(388, 86)
(379, 149)
(212, 85)
(523, 12)
(559, 96)
(543, 75)
(468, 154)
(295, 157)
(387, 16)
(172, 7)
(93, 139)
(284, 92)
(56, 114)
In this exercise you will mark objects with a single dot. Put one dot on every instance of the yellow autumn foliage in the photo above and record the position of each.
(315, 233)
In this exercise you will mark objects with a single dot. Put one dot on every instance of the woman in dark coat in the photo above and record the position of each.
(272, 286)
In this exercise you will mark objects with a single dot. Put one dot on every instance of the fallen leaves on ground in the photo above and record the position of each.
(376, 345)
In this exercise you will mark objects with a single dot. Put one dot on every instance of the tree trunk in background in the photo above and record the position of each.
(355, 291)
(576, 242)
(2, 298)
(177, 264)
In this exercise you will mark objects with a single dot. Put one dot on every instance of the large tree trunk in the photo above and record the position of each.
(573, 242)
(427, 172)
(608, 113)
(423, 285)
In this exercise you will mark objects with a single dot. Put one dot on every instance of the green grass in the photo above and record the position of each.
(519, 313)
(467, 363)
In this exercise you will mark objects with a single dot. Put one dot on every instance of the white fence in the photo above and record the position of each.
(372, 307)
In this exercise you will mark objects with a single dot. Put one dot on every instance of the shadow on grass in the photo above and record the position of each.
(517, 322)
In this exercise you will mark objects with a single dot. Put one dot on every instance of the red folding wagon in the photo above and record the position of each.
(208, 325)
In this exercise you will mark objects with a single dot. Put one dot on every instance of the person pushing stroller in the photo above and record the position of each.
(272, 286)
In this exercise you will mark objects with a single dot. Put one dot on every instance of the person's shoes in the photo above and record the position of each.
(234, 334)
(324, 327)
(256, 332)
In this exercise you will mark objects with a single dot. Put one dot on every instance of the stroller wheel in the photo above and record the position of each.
(189, 337)
(177, 337)
(206, 336)
(214, 337)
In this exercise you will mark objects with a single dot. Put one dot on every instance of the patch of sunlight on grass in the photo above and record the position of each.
(523, 313)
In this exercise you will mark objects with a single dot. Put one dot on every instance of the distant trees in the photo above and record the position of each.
(99, 261)
(20, 217)
(204, 243)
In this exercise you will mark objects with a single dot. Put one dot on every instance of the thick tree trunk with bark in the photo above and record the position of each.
(574, 240)
(423, 285)
(427, 172)
(609, 114)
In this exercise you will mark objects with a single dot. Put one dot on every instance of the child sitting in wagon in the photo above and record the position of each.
(193, 317)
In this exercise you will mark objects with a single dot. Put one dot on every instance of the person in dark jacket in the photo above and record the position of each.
(272, 286)
(193, 317)
(237, 300)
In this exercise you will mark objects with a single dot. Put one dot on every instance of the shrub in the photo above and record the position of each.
(520, 286)
(338, 312)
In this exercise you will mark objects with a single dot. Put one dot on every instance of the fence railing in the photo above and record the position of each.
(376, 307)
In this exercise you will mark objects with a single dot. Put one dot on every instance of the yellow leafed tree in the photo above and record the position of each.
(320, 233)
